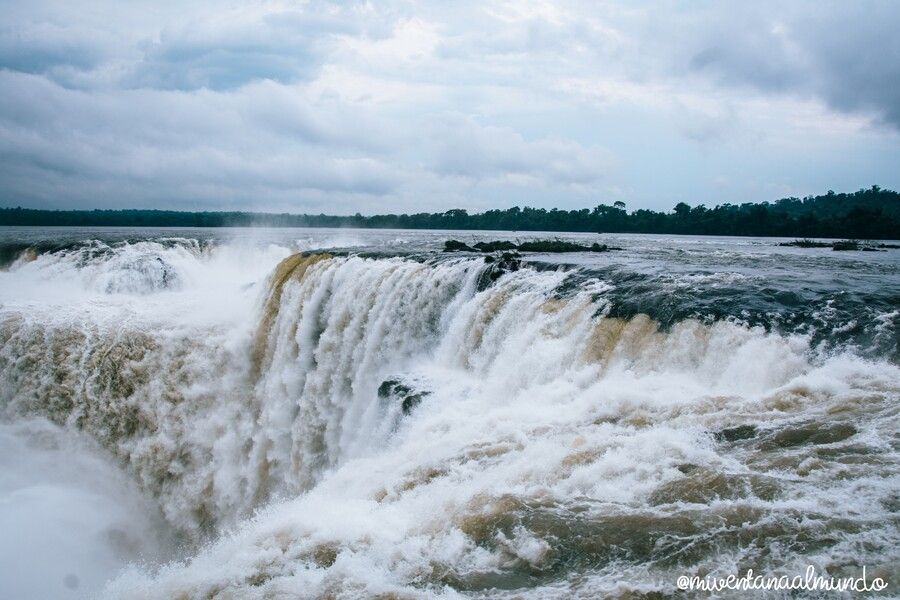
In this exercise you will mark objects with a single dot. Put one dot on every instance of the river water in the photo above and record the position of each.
(311, 413)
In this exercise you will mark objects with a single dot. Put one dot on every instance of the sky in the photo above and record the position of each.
(394, 106)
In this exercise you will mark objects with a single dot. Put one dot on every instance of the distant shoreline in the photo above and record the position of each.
(871, 213)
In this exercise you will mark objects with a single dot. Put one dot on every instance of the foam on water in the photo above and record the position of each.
(340, 426)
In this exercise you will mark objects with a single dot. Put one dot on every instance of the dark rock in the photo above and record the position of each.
(840, 246)
(390, 386)
(595, 247)
(410, 402)
(457, 246)
(499, 266)
(551, 246)
(497, 246)
(534, 246)
(806, 243)
(845, 245)
(408, 396)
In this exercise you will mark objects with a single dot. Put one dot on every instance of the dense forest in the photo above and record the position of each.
(872, 213)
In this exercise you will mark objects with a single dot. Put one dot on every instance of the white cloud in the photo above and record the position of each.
(424, 105)
(464, 148)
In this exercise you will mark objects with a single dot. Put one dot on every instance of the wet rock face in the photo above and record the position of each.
(401, 391)
(507, 262)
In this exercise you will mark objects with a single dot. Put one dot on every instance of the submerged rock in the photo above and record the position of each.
(704, 486)
(734, 434)
(812, 434)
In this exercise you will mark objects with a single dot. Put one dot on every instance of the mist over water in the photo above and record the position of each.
(70, 517)
(350, 414)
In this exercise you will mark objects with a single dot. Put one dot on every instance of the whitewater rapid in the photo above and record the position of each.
(331, 424)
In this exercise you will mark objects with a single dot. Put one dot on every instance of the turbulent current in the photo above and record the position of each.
(349, 414)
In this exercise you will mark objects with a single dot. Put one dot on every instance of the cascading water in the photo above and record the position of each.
(362, 425)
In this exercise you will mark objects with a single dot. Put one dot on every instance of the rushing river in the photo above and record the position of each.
(238, 414)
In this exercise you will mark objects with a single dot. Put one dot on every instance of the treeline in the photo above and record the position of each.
(871, 213)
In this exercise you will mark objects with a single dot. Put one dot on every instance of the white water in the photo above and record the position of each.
(547, 429)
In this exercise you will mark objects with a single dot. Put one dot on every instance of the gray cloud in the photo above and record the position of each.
(171, 146)
(468, 149)
(424, 105)
(46, 46)
(847, 54)
(288, 46)
(262, 142)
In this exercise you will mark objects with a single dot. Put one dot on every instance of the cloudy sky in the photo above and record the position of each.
(411, 106)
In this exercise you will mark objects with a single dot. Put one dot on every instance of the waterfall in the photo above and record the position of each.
(411, 426)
